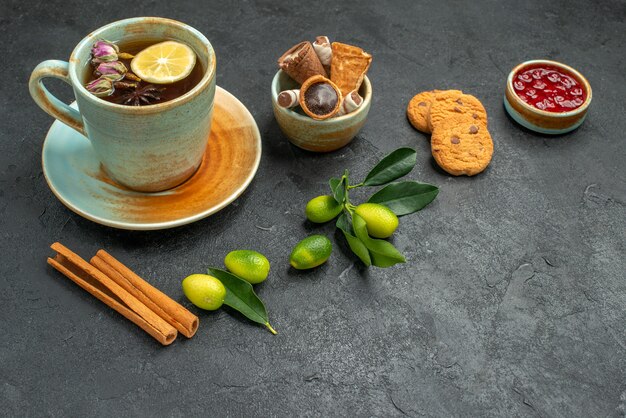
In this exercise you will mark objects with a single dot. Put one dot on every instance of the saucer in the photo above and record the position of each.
(75, 176)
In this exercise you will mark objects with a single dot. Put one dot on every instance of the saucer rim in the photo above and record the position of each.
(154, 226)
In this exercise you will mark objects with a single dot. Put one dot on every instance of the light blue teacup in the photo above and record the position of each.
(146, 148)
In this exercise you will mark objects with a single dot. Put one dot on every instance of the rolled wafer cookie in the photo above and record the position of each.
(288, 98)
(320, 98)
(300, 62)
(350, 103)
(324, 51)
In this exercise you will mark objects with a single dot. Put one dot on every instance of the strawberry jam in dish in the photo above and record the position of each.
(548, 88)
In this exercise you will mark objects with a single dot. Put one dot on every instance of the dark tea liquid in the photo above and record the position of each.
(167, 91)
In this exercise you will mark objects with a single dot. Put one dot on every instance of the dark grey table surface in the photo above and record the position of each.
(513, 299)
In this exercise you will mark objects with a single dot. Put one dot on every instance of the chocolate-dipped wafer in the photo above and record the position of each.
(320, 98)
(288, 98)
(350, 103)
(324, 51)
(300, 62)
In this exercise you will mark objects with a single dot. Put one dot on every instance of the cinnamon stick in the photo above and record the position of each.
(168, 309)
(108, 291)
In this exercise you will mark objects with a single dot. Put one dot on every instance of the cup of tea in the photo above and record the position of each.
(148, 136)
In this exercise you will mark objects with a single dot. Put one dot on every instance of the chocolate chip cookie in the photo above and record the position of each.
(419, 108)
(453, 102)
(461, 145)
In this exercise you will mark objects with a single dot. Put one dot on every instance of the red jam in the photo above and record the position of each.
(549, 88)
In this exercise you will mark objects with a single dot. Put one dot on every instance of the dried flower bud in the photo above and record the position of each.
(125, 85)
(132, 76)
(104, 51)
(100, 87)
(113, 70)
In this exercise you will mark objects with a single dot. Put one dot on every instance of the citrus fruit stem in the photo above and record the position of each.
(272, 330)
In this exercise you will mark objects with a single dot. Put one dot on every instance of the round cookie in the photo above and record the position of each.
(418, 109)
(451, 102)
(461, 146)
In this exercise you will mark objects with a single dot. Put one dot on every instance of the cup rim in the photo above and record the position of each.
(308, 119)
(88, 40)
(556, 115)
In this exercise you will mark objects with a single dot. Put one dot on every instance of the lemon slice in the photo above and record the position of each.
(164, 63)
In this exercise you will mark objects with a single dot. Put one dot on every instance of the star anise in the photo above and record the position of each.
(141, 95)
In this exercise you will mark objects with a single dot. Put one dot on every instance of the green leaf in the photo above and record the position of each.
(338, 188)
(241, 297)
(333, 182)
(356, 245)
(382, 252)
(405, 197)
(393, 166)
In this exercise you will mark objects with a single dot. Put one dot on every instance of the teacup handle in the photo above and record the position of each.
(50, 104)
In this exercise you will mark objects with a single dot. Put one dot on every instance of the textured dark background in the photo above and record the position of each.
(512, 303)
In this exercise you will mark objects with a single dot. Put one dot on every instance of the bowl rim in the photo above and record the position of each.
(337, 119)
(556, 115)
